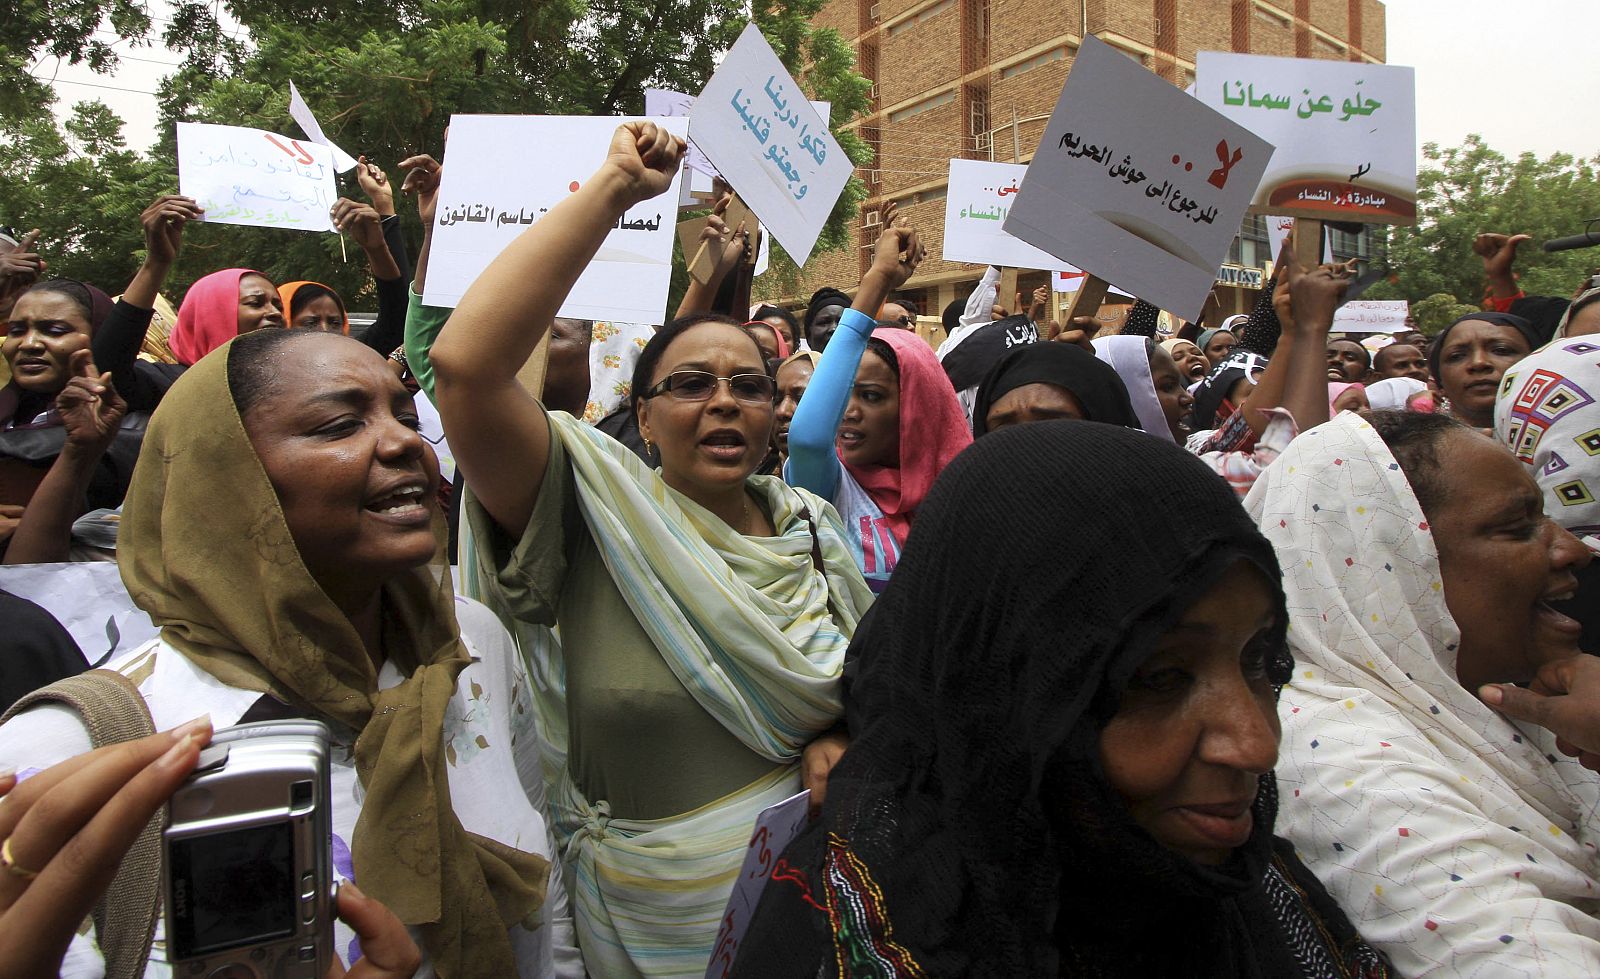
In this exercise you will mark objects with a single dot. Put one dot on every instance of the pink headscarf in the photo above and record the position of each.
(933, 431)
(209, 316)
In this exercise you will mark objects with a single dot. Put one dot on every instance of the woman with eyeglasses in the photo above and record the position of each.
(880, 419)
(704, 612)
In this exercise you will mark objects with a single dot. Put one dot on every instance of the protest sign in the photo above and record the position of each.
(1345, 132)
(1371, 316)
(666, 102)
(495, 186)
(776, 828)
(250, 176)
(89, 601)
(976, 204)
(755, 125)
(1137, 183)
(301, 113)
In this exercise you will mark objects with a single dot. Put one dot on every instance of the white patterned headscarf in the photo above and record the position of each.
(1546, 411)
(1450, 839)
(1394, 393)
(1130, 358)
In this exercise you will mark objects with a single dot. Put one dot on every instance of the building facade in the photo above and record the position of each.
(977, 79)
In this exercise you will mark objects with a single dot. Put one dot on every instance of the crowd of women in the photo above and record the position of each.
(1223, 654)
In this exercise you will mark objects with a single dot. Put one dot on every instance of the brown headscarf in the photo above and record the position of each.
(205, 549)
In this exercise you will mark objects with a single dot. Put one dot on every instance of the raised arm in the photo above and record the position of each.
(117, 343)
(812, 461)
(1296, 377)
(1499, 254)
(496, 428)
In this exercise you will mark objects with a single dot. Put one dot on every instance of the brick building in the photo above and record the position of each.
(978, 78)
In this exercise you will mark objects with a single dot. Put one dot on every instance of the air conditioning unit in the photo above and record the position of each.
(872, 13)
(873, 218)
(872, 177)
(874, 93)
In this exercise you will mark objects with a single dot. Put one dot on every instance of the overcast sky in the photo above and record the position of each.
(1524, 75)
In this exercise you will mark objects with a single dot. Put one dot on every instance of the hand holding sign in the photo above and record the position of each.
(163, 223)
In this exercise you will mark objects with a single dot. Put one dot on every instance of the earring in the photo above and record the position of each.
(649, 447)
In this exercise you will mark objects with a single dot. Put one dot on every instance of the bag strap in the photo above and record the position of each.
(125, 918)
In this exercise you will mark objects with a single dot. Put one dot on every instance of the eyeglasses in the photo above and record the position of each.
(700, 385)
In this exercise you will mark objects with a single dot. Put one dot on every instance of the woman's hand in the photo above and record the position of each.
(817, 761)
(361, 222)
(899, 251)
(643, 159)
(387, 951)
(22, 267)
(727, 244)
(1564, 698)
(1080, 331)
(163, 223)
(91, 410)
(423, 174)
(375, 184)
(65, 831)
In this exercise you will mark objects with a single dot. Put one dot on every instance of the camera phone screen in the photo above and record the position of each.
(231, 889)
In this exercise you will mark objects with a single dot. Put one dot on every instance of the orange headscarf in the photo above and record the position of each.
(286, 293)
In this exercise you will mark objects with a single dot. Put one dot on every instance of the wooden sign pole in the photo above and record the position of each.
(1091, 295)
(531, 376)
(1308, 235)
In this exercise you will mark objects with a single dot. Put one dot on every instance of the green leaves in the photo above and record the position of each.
(1469, 189)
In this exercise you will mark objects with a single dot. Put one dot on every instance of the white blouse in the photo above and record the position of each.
(491, 746)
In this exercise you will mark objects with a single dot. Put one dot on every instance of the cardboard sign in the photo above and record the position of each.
(496, 184)
(257, 178)
(975, 209)
(1345, 132)
(301, 113)
(755, 125)
(1137, 183)
(1371, 316)
(776, 828)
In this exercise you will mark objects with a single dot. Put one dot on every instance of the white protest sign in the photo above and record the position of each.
(89, 601)
(431, 427)
(1070, 279)
(975, 206)
(1137, 183)
(1371, 316)
(755, 125)
(250, 176)
(1345, 132)
(301, 113)
(498, 180)
(666, 102)
(776, 828)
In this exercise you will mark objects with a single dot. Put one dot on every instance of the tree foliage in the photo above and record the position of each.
(1466, 190)
(384, 80)
(34, 29)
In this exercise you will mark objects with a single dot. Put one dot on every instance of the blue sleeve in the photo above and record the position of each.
(813, 463)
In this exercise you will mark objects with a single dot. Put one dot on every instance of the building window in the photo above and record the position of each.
(920, 17)
(1022, 67)
(926, 105)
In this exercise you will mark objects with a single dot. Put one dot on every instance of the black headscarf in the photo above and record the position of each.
(967, 364)
(1522, 326)
(826, 296)
(1218, 384)
(1066, 365)
(970, 829)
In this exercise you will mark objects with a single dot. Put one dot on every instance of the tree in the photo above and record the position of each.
(82, 188)
(1465, 190)
(384, 80)
(62, 29)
